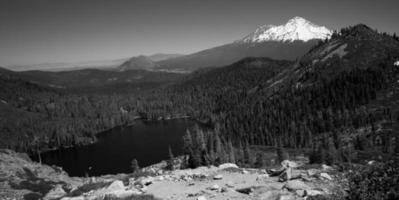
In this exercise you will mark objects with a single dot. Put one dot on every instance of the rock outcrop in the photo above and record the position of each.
(20, 178)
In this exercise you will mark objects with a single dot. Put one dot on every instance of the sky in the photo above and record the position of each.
(48, 31)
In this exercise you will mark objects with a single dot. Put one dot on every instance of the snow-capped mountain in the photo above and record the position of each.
(296, 28)
(285, 42)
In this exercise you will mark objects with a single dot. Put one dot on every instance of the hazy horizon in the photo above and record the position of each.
(55, 31)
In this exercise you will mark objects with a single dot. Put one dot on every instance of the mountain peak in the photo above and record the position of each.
(297, 28)
(359, 32)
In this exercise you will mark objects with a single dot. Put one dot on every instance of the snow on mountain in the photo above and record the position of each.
(296, 28)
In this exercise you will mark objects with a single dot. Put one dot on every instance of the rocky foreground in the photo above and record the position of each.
(20, 178)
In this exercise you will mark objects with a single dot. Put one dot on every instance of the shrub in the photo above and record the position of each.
(377, 181)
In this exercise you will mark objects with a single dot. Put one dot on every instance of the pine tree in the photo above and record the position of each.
(247, 154)
(170, 162)
(135, 166)
(282, 154)
(259, 160)
(230, 151)
(219, 152)
(332, 153)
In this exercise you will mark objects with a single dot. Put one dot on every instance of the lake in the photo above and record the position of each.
(146, 141)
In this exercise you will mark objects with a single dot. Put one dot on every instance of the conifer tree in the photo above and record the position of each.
(230, 151)
(135, 166)
(259, 162)
(170, 162)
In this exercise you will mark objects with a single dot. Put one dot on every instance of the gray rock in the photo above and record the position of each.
(201, 198)
(288, 163)
(230, 184)
(312, 172)
(294, 185)
(227, 165)
(55, 193)
(325, 167)
(275, 195)
(215, 187)
(262, 177)
(116, 185)
(73, 198)
(218, 177)
(325, 176)
(314, 192)
(301, 193)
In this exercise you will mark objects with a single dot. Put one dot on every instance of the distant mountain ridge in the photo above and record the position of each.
(145, 62)
(96, 64)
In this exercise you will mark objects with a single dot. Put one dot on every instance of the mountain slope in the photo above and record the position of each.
(163, 56)
(344, 90)
(286, 42)
(139, 62)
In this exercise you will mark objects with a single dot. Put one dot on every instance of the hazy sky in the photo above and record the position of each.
(40, 31)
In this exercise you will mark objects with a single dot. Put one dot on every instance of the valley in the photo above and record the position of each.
(328, 99)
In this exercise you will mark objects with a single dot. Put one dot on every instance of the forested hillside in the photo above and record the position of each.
(35, 116)
(339, 100)
(340, 97)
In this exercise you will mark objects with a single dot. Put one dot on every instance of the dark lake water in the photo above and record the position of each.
(147, 142)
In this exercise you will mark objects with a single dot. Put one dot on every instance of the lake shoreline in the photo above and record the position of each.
(94, 140)
(135, 140)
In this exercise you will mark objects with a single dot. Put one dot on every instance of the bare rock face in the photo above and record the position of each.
(26, 176)
(294, 185)
(325, 176)
(55, 193)
(116, 185)
(227, 165)
(201, 183)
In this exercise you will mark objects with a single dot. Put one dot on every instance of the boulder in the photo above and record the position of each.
(288, 163)
(122, 194)
(325, 176)
(275, 195)
(267, 187)
(227, 165)
(286, 175)
(116, 185)
(286, 197)
(218, 177)
(262, 177)
(294, 185)
(325, 167)
(371, 162)
(312, 172)
(73, 198)
(314, 192)
(55, 193)
(215, 187)
(247, 190)
(301, 193)
(230, 184)
(201, 198)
